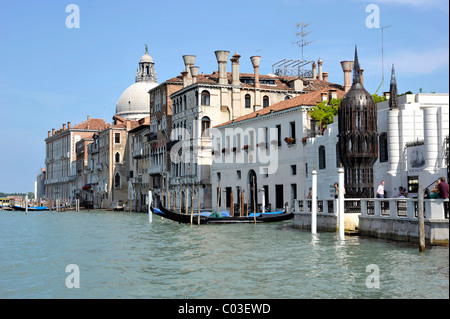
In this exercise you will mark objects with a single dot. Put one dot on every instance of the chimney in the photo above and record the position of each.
(347, 67)
(323, 96)
(194, 73)
(189, 61)
(222, 57)
(332, 94)
(68, 125)
(64, 127)
(49, 134)
(235, 69)
(361, 76)
(185, 80)
(314, 72)
(325, 76)
(387, 95)
(255, 62)
(88, 117)
(320, 69)
(53, 131)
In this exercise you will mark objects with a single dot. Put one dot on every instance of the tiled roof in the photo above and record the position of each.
(91, 124)
(308, 99)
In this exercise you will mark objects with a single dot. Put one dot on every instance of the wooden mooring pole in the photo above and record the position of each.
(421, 219)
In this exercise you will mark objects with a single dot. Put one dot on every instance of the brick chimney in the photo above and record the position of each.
(325, 76)
(235, 69)
(222, 57)
(347, 67)
(255, 62)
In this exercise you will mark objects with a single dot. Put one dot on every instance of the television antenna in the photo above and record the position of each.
(382, 56)
(302, 34)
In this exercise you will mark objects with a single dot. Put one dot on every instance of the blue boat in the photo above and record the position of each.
(31, 208)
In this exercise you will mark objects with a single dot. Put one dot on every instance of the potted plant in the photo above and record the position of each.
(289, 140)
(245, 147)
(234, 149)
(304, 140)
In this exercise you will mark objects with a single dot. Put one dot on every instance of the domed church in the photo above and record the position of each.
(134, 102)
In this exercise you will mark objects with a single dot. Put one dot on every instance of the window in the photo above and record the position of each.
(117, 180)
(279, 134)
(293, 169)
(265, 101)
(383, 148)
(292, 125)
(206, 124)
(117, 158)
(205, 98)
(218, 177)
(238, 174)
(247, 101)
(117, 137)
(322, 163)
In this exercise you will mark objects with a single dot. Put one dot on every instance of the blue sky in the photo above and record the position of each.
(50, 74)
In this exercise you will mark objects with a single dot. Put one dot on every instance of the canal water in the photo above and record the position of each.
(122, 255)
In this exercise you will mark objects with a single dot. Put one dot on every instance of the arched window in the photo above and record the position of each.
(265, 101)
(322, 163)
(117, 180)
(117, 158)
(206, 125)
(205, 98)
(247, 101)
(383, 148)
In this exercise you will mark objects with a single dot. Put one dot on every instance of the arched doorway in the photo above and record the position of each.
(253, 182)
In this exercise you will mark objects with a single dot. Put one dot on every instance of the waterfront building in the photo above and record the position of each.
(262, 154)
(411, 131)
(60, 157)
(160, 129)
(81, 148)
(40, 185)
(138, 164)
(107, 170)
(208, 100)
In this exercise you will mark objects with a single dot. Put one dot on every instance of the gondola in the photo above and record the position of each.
(223, 217)
(32, 208)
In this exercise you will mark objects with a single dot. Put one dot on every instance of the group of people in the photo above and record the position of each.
(440, 190)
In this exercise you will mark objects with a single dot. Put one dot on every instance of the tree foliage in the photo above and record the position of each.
(325, 111)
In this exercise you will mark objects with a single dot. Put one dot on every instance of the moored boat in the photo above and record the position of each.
(222, 217)
(31, 208)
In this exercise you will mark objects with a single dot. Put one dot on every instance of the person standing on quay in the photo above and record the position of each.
(380, 190)
(443, 188)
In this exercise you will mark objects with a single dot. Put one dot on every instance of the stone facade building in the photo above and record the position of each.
(60, 159)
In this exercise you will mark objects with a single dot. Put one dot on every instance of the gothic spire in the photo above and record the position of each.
(393, 101)
(356, 69)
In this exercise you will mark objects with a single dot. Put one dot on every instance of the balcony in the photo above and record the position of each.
(152, 137)
(138, 153)
(155, 169)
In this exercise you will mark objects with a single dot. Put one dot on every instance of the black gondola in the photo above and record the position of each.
(210, 218)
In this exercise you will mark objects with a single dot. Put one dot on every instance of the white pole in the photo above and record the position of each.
(314, 202)
(149, 205)
(26, 204)
(341, 203)
(263, 200)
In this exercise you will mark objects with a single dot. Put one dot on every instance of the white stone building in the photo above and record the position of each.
(210, 100)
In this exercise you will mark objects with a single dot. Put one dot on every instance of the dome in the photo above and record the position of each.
(134, 103)
(146, 58)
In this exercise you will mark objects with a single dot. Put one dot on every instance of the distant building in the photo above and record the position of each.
(60, 159)
(40, 185)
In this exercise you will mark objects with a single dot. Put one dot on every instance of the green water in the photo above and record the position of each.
(122, 255)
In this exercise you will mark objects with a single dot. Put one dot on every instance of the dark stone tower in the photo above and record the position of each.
(358, 138)
(393, 100)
